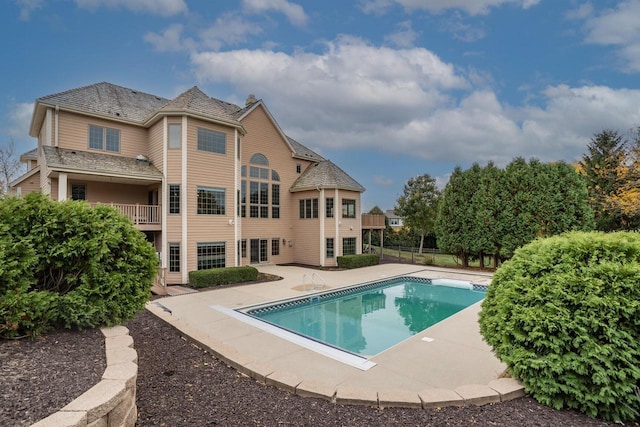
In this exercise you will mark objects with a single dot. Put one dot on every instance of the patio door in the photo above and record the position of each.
(259, 251)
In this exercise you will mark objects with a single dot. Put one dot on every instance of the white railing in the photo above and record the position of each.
(138, 214)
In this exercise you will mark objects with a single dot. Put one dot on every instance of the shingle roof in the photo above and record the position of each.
(109, 100)
(325, 175)
(61, 158)
(29, 155)
(198, 102)
(303, 152)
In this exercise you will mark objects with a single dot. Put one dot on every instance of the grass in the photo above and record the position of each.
(426, 258)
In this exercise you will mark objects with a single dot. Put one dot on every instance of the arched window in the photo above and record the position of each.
(256, 196)
(259, 159)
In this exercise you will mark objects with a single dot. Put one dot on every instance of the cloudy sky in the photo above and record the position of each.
(386, 89)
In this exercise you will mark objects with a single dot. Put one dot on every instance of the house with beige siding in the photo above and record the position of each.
(210, 183)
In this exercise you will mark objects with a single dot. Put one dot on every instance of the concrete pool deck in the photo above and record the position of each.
(453, 366)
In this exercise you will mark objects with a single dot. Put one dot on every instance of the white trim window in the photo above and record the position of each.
(103, 138)
(210, 201)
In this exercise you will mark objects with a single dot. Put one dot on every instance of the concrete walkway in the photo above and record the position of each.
(453, 366)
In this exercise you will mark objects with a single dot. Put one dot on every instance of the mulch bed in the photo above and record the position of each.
(180, 384)
(40, 376)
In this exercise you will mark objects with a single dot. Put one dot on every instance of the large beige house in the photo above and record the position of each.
(210, 183)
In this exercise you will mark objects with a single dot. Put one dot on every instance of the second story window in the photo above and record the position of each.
(174, 199)
(102, 138)
(211, 201)
(348, 208)
(308, 208)
(329, 207)
(212, 141)
(175, 135)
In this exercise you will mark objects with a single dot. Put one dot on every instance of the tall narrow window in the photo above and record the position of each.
(78, 192)
(275, 247)
(243, 198)
(174, 257)
(330, 250)
(211, 201)
(298, 168)
(243, 248)
(329, 207)
(275, 200)
(175, 135)
(174, 198)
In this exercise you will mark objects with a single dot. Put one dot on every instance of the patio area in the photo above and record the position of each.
(452, 367)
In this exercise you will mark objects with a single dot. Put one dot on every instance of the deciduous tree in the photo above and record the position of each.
(418, 205)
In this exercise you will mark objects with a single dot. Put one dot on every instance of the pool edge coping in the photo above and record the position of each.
(497, 390)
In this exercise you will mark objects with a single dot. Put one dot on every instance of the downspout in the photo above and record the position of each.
(55, 138)
(236, 201)
(323, 240)
(184, 206)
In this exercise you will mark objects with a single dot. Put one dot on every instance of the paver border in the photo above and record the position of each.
(112, 401)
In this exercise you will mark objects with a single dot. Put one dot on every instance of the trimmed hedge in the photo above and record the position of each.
(66, 264)
(357, 261)
(564, 315)
(222, 276)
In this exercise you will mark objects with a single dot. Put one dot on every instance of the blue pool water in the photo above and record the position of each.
(368, 319)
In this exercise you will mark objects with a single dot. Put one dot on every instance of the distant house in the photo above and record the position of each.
(210, 183)
(395, 221)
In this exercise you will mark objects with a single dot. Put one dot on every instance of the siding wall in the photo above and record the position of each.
(74, 134)
(263, 137)
(30, 184)
(209, 170)
(307, 231)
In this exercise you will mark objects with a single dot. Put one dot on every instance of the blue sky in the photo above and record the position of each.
(386, 89)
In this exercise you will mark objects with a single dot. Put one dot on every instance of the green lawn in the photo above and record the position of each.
(436, 259)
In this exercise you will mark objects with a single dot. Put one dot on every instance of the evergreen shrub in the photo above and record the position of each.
(564, 315)
(222, 276)
(357, 261)
(66, 264)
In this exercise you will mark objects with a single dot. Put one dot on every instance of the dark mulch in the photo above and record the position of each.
(180, 384)
(40, 376)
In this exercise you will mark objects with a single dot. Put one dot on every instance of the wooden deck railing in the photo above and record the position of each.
(138, 214)
(373, 221)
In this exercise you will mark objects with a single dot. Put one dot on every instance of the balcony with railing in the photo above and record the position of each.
(373, 221)
(144, 217)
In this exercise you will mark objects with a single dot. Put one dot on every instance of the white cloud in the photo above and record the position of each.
(228, 29)
(156, 7)
(404, 37)
(294, 12)
(618, 27)
(19, 119)
(27, 7)
(409, 102)
(583, 11)
(461, 30)
(170, 40)
(471, 7)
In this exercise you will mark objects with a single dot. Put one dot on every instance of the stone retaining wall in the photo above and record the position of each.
(111, 402)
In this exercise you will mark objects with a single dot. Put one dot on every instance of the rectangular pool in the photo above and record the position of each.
(371, 318)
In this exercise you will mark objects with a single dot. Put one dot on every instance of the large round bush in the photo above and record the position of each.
(564, 315)
(66, 264)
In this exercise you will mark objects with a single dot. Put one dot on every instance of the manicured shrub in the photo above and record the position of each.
(357, 261)
(65, 264)
(564, 315)
(222, 276)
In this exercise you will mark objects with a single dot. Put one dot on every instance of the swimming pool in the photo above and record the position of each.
(370, 318)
